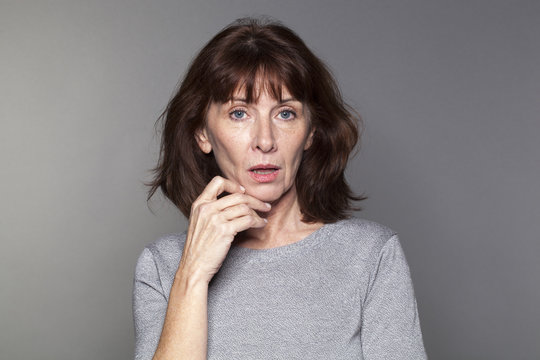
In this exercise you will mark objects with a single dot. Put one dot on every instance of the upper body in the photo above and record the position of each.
(254, 149)
(343, 292)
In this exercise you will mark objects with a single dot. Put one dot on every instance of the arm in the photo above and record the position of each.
(185, 331)
(390, 322)
(177, 329)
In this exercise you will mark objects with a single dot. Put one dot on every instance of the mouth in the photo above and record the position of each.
(264, 169)
(264, 173)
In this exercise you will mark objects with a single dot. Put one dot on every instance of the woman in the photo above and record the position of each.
(254, 148)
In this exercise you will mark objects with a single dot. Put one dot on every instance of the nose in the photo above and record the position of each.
(264, 139)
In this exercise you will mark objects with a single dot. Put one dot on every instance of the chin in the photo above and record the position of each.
(270, 194)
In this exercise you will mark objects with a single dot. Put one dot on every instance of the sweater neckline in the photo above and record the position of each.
(315, 238)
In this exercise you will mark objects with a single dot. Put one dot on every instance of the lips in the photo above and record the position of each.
(264, 173)
(264, 168)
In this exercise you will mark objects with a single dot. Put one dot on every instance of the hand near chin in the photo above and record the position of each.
(213, 224)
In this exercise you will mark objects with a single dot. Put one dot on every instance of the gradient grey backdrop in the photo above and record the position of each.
(451, 160)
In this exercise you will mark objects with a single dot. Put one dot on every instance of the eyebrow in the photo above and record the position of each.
(281, 102)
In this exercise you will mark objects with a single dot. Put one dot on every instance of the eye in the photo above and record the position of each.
(287, 114)
(237, 114)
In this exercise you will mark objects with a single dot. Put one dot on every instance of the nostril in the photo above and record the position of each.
(266, 147)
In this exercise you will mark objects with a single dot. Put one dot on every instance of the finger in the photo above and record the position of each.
(236, 211)
(217, 186)
(236, 199)
(246, 222)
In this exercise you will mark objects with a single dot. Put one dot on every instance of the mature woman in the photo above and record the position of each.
(254, 148)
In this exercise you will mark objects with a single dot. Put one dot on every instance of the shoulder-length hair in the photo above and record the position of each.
(243, 54)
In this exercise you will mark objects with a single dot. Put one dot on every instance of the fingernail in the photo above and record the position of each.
(268, 205)
(265, 220)
(242, 188)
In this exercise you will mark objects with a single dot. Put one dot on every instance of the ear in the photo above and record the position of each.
(202, 140)
(309, 139)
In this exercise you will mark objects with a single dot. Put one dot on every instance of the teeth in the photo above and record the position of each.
(266, 171)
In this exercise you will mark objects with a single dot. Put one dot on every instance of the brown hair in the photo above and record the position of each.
(239, 55)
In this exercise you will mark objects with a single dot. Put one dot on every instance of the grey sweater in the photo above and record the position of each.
(343, 292)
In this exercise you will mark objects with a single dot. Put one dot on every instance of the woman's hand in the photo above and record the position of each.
(213, 224)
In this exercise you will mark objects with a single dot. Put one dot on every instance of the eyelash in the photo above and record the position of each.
(231, 114)
(289, 110)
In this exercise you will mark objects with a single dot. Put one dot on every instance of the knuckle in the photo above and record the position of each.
(253, 219)
(204, 208)
(218, 180)
(216, 220)
(225, 228)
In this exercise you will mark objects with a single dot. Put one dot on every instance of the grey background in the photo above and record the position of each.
(449, 91)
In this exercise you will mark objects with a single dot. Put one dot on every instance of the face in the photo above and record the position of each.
(258, 145)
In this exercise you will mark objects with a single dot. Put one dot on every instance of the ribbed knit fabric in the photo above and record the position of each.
(343, 292)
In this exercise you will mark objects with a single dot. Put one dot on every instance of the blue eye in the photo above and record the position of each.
(238, 114)
(286, 114)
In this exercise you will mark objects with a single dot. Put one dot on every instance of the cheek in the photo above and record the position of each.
(300, 146)
(295, 152)
(228, 151)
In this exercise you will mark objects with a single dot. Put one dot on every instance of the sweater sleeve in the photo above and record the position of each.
(149, 306)
(390, 322)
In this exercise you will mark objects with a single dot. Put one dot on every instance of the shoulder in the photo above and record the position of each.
(168, 245)
(361, 230)
(361, 236)
(164, 253)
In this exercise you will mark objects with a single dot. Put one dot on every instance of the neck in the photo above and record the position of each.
(284, 225)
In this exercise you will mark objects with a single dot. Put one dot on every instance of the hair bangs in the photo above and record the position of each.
(248, 77)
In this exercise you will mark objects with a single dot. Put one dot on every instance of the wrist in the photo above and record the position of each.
(190, 278)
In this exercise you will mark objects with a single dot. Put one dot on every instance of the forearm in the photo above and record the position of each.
(185, 329)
